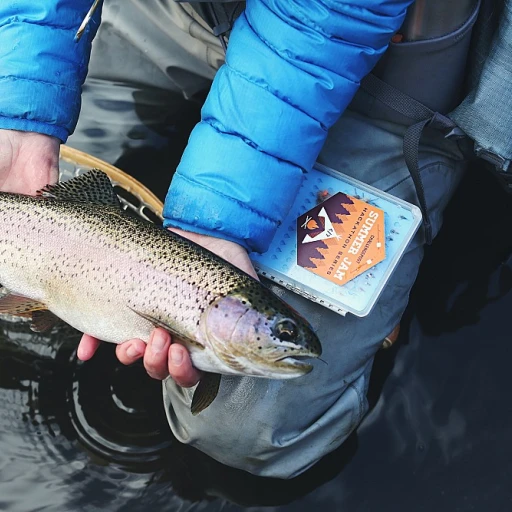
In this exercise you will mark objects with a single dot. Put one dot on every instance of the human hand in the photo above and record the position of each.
(162, 357)
(28, 161)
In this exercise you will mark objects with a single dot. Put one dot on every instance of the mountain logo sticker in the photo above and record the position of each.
(340, 238)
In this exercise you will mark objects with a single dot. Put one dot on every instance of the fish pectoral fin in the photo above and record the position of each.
(208, 386)
(92, 187)
(18, 305)
(43, 320)
(176, 336)
(205, 392)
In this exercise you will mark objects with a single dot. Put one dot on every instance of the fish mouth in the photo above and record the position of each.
(295, 364)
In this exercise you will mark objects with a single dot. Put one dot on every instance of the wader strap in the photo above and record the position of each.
(424, 116)
(219, 14)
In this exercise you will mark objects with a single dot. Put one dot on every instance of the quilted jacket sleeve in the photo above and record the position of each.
(42, 69)
(291, 69)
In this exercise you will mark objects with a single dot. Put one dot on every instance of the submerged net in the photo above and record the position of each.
(134, 196)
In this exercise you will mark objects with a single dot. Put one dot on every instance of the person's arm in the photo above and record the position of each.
(291, 70)
(42, 68)
(41, 74)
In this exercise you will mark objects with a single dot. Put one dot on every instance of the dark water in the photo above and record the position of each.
(93, 436)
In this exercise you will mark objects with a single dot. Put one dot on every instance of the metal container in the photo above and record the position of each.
(426, 19)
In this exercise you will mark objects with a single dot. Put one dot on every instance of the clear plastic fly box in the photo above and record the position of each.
(340, 242)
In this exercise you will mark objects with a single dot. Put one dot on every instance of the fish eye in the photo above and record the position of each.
(285, 330)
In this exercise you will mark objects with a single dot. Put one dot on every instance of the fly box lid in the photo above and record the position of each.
(340, 242)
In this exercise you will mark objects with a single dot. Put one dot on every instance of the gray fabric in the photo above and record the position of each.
(486, 114)
(150, 50)
(220, 15)
(431, 71)
(426, 19)
(155, 43)
(267, 427)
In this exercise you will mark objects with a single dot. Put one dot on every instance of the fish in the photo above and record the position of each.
(71, 253)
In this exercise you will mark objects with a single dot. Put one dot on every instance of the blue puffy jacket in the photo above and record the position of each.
(41, 68)
(292, 68)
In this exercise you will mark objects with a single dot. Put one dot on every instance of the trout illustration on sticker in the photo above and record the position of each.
(340, 238)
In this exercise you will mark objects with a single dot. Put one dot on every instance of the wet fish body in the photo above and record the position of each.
(73, 253)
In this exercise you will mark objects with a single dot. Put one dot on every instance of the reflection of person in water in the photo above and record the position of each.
(282, 101)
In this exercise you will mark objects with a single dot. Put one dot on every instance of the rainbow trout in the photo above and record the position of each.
(72, 253)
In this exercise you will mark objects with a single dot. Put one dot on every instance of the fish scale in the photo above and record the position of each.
(74, 252)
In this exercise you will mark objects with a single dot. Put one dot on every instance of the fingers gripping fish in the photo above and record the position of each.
(72, 253)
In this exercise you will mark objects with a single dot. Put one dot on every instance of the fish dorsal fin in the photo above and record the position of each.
(93, 187)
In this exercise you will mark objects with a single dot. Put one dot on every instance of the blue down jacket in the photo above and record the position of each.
(41, 68)
(291, 69)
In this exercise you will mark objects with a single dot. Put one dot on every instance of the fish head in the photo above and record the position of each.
(255, 333)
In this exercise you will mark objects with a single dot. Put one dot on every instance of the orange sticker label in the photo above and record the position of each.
(340, 238)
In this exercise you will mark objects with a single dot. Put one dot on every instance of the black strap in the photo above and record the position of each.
(421, 116)
(219, 14)
(411, 149)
